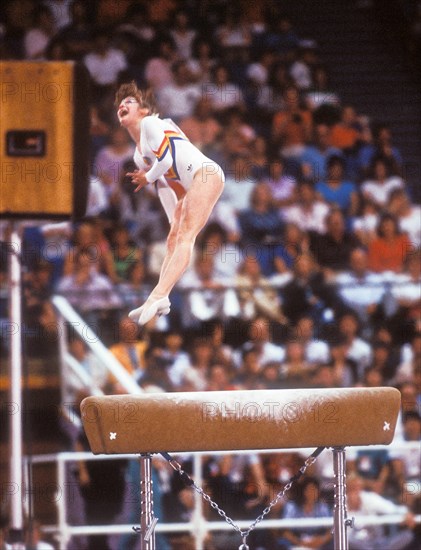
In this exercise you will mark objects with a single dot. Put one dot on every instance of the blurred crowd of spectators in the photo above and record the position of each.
(308, 273)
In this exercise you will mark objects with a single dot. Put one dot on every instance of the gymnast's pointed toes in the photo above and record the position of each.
(164, 311)
(135, 314)
(158, 307)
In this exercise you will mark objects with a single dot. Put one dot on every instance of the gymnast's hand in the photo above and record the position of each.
(138, 178)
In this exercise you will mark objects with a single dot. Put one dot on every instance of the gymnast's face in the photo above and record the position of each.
(130, 111)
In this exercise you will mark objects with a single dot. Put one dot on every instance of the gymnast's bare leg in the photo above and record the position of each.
(191, 214)
(171, 240)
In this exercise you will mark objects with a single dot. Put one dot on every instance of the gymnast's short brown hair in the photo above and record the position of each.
(145, 98)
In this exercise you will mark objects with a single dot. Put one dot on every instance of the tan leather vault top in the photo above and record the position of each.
(237, 420)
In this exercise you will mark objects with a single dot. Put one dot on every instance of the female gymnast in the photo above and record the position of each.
(188, 184)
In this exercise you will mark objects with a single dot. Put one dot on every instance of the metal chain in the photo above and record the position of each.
(244, 533)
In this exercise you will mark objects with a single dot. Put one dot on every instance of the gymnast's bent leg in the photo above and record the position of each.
(174, 218)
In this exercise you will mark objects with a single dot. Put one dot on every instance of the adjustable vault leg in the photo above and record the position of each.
(147, 519)
(340, 520)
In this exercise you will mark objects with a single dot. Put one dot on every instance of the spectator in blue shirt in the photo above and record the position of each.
(315, 156)
(307, 504)
(335, 190)
(262, 227)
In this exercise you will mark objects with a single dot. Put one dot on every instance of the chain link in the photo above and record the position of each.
(281, 495)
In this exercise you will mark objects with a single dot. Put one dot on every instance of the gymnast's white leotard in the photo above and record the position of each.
(170, 160)
(165, 151)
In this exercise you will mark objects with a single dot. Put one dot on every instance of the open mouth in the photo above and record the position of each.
(123, 112)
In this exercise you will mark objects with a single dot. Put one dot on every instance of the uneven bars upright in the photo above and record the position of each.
(15, 367)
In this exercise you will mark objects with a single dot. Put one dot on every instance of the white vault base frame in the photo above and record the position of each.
(241, 420)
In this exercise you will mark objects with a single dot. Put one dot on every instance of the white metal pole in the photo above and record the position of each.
(62, 348)
(62, 503)
(15, 365)
(340, 538)
(200, 528)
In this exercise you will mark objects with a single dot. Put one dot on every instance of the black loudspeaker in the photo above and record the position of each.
(44, 139)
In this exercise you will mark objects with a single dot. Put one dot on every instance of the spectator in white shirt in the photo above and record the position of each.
(255, 292)
(95, 370)
(205, 295)
(360, 289)
(316, 349)
(321, 93)
(365, 225)
(222, 93)
(226, 253)
(259, 341)
(282, 184)
(233, 35)
(178, 99)
(183, 35)
(358, 350)
(38, 37)
(308, 213)
(86, 289)
(410, 361)
(195, 375)
(407, 214)
(239, 183)
(406, 287)
(105, 64)
(158, 73)
(362, 503)
(302, 68)
(178, 359)
(381, 183)
(98, 201)
(110, 160)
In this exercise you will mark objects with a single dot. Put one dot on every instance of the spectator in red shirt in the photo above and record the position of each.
(388, 250)
(292, 125)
